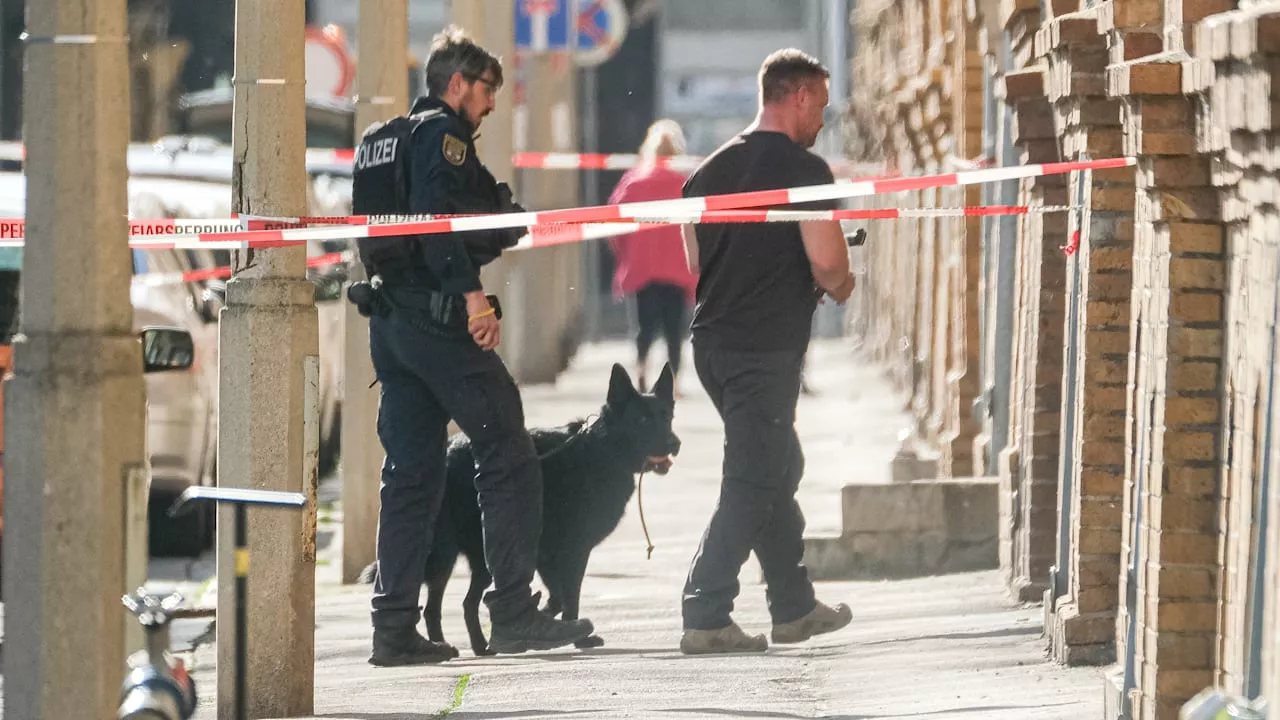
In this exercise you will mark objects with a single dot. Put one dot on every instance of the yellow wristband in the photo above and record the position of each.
(479, 315)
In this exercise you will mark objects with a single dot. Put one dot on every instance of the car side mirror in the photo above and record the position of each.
(328, 287)
(165, 349)
(212, 298)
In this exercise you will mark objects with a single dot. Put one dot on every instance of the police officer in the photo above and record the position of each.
(432, 335)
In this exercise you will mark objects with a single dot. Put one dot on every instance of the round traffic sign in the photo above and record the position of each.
(329, 69)
(602, 24)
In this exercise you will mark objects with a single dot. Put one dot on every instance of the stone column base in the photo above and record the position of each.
(912, 462)
(1026, 590)
(1113, 693)
(1076, 639)
(1007, 502)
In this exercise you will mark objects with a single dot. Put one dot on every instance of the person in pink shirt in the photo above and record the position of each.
(649, 264)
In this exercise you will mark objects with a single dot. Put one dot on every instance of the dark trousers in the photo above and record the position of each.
(662, 307)
(425, 381)
(755, 394)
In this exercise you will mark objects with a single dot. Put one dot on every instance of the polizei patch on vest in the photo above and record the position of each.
(455, 150)
(377, 152)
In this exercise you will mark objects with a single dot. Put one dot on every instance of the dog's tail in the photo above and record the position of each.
(369, 572)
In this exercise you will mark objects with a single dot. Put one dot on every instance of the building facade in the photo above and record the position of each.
(1113, 363)
(711, 51)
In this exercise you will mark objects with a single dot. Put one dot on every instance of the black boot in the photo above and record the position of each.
(404, 646)
(535, 630)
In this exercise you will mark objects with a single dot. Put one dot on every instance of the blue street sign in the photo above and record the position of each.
(601, 26)
(542, 25)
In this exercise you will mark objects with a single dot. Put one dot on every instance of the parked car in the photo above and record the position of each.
(164, 350)
(182, 424)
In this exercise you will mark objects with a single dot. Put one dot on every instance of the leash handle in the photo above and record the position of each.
(648, 553)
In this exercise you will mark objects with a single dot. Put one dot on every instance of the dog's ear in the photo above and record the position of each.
(665, 387)
(620, 387)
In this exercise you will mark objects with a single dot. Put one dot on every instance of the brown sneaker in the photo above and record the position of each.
(728, 639)
(821, 619)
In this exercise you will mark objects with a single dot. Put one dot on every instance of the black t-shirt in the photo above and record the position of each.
(755, 286)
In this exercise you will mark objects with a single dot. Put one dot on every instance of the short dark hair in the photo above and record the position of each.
(453, 51)
(785, 70)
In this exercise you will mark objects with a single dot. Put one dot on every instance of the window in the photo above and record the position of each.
(723, 15)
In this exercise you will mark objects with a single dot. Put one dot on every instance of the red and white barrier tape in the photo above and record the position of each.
(341, 228)
(15, 228)
(559, 234)
(341, 159)
(681, 207)
(16, 151)
(563, 233)
(626, 161)
(598, 161)
(771, 216)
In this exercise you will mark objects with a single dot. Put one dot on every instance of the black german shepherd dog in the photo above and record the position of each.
(588, 474)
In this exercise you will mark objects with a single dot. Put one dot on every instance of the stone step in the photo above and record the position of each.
(910, 529)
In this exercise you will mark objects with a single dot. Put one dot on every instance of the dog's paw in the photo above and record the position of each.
(483, 651)
(590, 641)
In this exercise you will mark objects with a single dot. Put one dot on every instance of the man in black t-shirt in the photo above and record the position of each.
(758, 288)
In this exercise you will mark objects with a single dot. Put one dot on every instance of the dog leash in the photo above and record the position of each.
(582, 431)
(648, 553)
(591, 421)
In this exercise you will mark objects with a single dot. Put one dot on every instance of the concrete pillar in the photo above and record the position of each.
(382, 91)
(492, 24)
(268, 434)
(549, 273)
(76, 401)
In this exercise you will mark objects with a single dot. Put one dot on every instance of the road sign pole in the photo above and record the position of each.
(541, 21)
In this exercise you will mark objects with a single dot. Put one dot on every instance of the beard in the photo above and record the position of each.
(469, 118)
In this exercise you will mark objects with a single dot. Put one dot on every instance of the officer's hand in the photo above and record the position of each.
(845, 289)
(482, 322)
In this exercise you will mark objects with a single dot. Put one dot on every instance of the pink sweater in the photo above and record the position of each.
(654, 254)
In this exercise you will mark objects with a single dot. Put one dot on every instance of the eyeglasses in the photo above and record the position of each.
(491, 86)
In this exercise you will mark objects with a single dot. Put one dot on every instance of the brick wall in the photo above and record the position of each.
(1037, 378)
(909, 101)
(1171, 513)
(967, 62)
(1081, 617)
(1237, 54)
(1160, 447)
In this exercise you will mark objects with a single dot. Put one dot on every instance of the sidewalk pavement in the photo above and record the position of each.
(944, 647)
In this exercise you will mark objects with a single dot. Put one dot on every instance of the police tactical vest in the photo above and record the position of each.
(380, 186)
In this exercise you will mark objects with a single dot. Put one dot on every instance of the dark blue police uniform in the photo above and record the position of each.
(430, 370)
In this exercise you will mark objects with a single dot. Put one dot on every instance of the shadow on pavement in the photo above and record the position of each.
(457, 714)
(985, 634)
